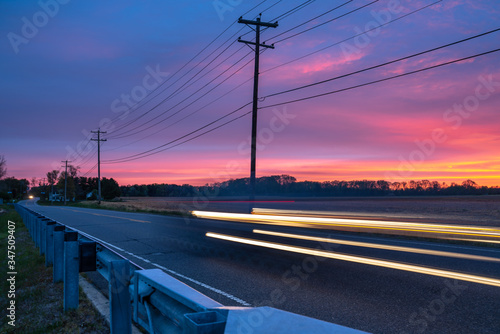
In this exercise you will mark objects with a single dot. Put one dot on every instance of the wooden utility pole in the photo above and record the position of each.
(257, 23)
(98, 140)
(65, 178)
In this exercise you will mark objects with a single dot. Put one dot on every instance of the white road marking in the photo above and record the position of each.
(206, 286)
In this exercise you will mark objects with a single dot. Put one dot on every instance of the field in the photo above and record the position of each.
(472, 210)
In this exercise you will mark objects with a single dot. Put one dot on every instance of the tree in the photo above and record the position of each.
(52, 177)
(3, 166)
(109, 188)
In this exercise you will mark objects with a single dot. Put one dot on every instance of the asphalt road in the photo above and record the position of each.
(365, 297)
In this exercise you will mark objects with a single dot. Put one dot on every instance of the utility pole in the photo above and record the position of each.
(65, 178)
(98, 140)
(257, 23)
(44, 189)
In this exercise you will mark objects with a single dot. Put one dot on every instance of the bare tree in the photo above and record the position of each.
(52, 177)
(3, 166)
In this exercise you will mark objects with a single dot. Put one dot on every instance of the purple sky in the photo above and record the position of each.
(69, 67)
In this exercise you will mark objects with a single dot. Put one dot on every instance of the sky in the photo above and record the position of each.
(160, 78)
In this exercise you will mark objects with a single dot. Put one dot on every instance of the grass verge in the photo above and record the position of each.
(39, 301)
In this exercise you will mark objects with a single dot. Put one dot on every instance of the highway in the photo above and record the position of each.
(365, 296)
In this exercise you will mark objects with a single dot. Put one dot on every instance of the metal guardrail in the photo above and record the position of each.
(152, 299)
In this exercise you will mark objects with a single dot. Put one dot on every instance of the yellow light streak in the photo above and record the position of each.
(360, 259)
(353, 223)
(380, 246)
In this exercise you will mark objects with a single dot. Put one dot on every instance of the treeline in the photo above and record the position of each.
(78, 187)
(286, 185)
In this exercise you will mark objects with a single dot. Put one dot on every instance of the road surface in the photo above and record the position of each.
(365, 297)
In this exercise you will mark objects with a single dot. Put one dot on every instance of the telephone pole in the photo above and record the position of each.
(98, 140)
(257, 23)
(65, 178)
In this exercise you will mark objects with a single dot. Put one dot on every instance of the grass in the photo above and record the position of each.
(39, 301)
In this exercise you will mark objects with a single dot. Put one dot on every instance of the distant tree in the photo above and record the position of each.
(52, 177)
(109, 188)
(3, 167)
(70, 185)
(469, 184)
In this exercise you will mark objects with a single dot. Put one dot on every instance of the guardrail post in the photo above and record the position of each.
(58, 245)
(119, 297)
(41, 234)
(34, 228)
(38, 227)
(49, 243)
(71, 270)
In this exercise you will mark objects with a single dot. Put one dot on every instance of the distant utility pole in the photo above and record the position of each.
(256, 48)
(98, 140)
(44, 189)
(65, 178)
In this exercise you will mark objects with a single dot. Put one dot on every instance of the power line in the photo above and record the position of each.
(184, 66)
(293, 10)
(381, 80)
(90, 170)
(314, 18)
(184, 100)
(190, 114)
(121, 128)
(326, 22)
(265, 10)
(178, 89)
(383, 64)
(349, 38)
(187, 140)
(192, 132)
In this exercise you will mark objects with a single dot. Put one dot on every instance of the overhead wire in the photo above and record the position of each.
(192, 132)
(187, 98)
(293, 10)
(310, 20)
(384, 64)
(116, 137)
(188, 115)
(176, 72)
(349, 38)
(121, 128)
(184, 66)
(323, 23)
(156, 150)
(382, 80)
(187, 140)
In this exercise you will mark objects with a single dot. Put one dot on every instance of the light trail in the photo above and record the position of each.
(360, 259)
(380, 246)
(409, 228)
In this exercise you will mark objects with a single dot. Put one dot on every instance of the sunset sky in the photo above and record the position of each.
(70, 67)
